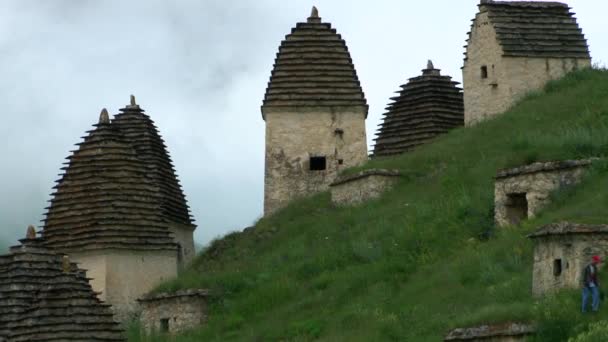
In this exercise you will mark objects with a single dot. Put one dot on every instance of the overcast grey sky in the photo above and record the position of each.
(200, 69)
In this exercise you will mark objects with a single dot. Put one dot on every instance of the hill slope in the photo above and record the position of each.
(426, 256)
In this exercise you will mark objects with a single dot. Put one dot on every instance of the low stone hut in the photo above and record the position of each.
(45, 297)
(174, 312)
(362, 186)
(503, 332)
(427, 106)
(521, 192)
(561, 252)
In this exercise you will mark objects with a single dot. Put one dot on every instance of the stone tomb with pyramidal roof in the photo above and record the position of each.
(119, 211)
(515, 47)
(45, 297)
(315, 111)
(561, 252)
(426, 107)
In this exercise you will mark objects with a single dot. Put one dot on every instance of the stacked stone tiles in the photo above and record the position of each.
(536, 29)
(141, 132)
(313, 68)
(44, 297)
(427, 106)
(105, 198)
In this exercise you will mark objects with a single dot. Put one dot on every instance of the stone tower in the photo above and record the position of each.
(426, 107)
(315, 112)
(119, 212)
(514, 48)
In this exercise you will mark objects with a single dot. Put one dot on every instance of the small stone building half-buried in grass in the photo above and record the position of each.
(173, 312)
(521, 192)
(362, 186)
(561, 252)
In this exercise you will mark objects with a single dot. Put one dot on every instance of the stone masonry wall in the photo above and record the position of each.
(509, 78)
(184, 236)
(501, 332)
(181, 312)
(124, 276)
(537, 187)
(574, 251)
(362, 187)
(292, 137)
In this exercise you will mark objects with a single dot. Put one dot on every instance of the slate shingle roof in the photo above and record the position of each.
(313, 68)
(427, 106)
(44, 297)
(139, 130)
(106, 198)
(536, 29)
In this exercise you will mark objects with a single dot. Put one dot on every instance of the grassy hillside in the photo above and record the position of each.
(424, 258)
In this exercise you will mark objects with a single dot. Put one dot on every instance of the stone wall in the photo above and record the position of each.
(509, 78)
(292, 137)
(561, 255)
(123, 276)
(362, 186)
(173, 313)
(536, 182)
(184, 236)
(502, 332)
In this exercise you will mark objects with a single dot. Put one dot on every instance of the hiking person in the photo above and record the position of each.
(591, 285)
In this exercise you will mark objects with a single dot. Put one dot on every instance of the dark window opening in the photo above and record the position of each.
(318, 163)
(557, 267)
(339, 132)
(517, 208)
(164, 325)
(340, 161)
(484, 72)
(180, 255)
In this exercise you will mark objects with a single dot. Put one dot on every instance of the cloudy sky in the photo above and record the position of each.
(200, 69)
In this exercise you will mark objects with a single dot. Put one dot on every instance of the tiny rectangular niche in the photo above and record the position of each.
(164, 325)
(318, 163)
(484, 72)
(557, 267)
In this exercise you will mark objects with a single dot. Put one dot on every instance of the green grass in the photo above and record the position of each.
(424, 258)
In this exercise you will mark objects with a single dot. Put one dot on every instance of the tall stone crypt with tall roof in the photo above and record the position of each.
(119, 211)
(315, 113)
(515, 47)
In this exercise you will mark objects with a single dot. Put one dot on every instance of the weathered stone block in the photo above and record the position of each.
(174, 312)
(362, 186)
(521, 192)
(561, 252)
(505, 332)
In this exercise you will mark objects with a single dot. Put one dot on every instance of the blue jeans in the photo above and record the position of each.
(595, 298)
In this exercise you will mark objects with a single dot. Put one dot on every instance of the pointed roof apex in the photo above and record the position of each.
(132, 104)
(429, 65)
(430, 69)
(104, 117)
(314, 16)
(31, 232)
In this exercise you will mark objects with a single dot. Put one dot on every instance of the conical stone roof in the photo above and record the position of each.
(427, 106)
(106, 198)
(313, 68)
(139, 130)
(44, 297)
(536, 29)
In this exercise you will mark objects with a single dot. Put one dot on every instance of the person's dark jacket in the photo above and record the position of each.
(590, 276)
